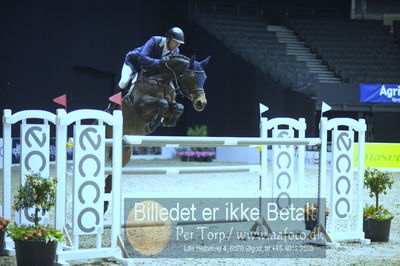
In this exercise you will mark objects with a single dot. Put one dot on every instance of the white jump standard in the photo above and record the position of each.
(342, 191)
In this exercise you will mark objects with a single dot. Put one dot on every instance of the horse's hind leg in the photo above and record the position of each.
(126, 156)
(107, 189)
(171, 117)
(154, 124)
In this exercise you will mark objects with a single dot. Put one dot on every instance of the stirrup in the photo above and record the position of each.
(111, 107)
(128, 89)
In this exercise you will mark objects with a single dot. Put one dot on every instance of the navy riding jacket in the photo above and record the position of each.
(147, 55)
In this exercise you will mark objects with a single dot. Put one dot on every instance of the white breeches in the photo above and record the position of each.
(126, 76)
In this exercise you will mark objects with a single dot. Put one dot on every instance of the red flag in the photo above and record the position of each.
(62, 100)
(116, 98)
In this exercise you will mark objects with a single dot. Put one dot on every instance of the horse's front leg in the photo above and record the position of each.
(174, 113)
(148, 107)
(152, 110)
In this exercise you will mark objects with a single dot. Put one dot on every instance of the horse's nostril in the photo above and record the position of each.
(199, 103)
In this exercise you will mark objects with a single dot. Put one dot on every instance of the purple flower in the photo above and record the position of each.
(200, 153)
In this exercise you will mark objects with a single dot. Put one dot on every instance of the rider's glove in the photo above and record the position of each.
(163, 60)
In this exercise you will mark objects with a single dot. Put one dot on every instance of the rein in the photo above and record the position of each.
(178, 89)
(175, 77)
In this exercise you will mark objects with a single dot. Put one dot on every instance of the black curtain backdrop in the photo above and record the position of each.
(78, 47)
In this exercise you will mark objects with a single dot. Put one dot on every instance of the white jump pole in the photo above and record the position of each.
(136, 140)
(188, 170)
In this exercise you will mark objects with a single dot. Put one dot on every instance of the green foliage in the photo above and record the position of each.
(370, 212)
(34, 232)
(38, 193)
(198, 130)
(377, 182)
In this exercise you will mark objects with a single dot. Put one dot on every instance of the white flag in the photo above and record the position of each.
(325, 108)
(263, 108)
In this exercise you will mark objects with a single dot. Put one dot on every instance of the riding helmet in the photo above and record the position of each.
(176, 34)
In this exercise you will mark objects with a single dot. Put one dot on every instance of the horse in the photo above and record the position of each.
(150, 101)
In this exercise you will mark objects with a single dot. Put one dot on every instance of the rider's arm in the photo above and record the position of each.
(144, 56)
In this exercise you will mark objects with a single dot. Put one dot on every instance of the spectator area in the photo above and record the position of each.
(250, 38)
(358, 51)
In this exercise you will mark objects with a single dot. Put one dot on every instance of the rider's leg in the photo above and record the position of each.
(126, 75)
(133, 80)
(123, 84)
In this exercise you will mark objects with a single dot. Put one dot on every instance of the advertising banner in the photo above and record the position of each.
(380, 155)
(381, 93)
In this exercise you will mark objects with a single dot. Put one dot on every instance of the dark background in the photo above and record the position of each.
(49, 48)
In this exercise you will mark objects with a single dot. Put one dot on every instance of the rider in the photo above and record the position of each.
(153, 53)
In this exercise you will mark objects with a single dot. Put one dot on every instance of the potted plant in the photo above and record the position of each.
(310, 212)
(198, 130)
(377, 218)
(185, 155)
(200, 154)
(376, 223)
(368, 211)
(3, 227)
(205, 155)
(35, 244)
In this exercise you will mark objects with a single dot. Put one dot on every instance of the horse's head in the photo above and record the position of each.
(192, 82)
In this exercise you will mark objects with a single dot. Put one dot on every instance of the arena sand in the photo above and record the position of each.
(222, 184)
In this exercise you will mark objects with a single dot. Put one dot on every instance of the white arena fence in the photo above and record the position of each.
(343, 191)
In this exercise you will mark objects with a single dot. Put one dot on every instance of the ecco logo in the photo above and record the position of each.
(89, 171)
(283, 180)
(34, 140)
(343, 166)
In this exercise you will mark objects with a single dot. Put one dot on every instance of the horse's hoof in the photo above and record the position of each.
(106, 203)
(169, 123)
(147, 129)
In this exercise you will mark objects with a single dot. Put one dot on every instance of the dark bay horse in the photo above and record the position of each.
(150, 102)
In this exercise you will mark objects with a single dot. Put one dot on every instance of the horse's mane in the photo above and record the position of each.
(179, 56)
(175, 59)
(178, 61)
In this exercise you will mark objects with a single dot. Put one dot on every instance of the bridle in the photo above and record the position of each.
(177, 80)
